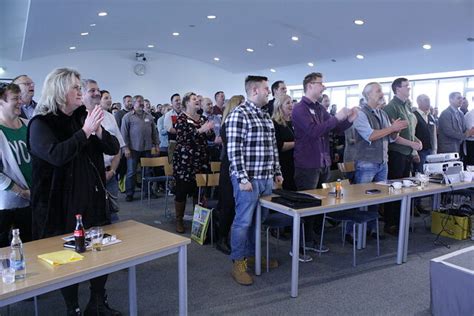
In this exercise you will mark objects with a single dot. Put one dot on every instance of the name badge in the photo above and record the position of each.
(312, 111)
(147, 120)
(431, 123)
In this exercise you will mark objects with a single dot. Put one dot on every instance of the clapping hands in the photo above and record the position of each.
(93, 121)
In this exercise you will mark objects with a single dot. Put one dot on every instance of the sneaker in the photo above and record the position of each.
(317, 249)
(240, 274)
(303, 258)
(273, 262)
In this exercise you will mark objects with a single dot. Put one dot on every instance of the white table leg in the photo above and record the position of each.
(183, 280)
(407, 229)
(132, 290)
(402, 230)
(296, 255)
(258, 237)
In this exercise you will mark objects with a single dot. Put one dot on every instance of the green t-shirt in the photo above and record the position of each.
(17, 141)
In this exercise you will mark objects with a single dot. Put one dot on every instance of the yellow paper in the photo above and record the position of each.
(61, 257)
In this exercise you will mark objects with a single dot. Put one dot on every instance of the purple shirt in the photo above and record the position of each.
(312, 124)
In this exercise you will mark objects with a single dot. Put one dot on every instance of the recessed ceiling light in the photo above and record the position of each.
(175, 34)
(216, 58)
(92, 25)
(270, 44)
(102, 13)
(84, 33)
(359, 56)
(310, 64)
(2, 70)
(72, 47)
(295, 38)
(273, 70)
(250, 50)
(211, 17)
(427, 46)
(151, 46)
(359, 22)
(470, 39)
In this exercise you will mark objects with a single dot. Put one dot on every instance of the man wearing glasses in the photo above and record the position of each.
(27, 87)
(312, 124)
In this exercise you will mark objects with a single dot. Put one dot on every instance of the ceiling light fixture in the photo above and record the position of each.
(211, 17)
(175, 34)
(102, 13)
(270, 44)
(151, 46)
(72, 47)
(92, 25)
(273, 70)
(470, 39)
(295, 38)
(250, 50)
(2, 70)
(359, 56)
(427, 46)
(216, 58)
(310, 64)
(359, 22)
(84, 33)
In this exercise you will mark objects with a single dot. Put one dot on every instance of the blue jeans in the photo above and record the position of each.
(132, 164)
(243, 227)
(112, 187)
(366, 172)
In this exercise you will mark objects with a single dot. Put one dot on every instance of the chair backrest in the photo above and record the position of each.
(158, 162)
(215, 166)
(333, 184)
(207, 180)
(154, 162)
(346, 166)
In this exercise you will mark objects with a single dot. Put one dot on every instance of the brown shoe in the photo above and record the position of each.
(180, 226)
(240, 274)
(179, 208)
(273, 262)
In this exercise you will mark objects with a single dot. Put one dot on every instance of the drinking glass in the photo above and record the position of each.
(8, 273)
(96, 234)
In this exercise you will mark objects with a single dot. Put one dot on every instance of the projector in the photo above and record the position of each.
(440, 167)
(442, 157)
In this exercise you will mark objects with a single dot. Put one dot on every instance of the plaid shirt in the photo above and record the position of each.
(251, 143)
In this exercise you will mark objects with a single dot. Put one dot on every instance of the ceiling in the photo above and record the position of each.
(325, 29)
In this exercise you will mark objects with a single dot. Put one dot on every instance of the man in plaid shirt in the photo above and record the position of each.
(253, 156)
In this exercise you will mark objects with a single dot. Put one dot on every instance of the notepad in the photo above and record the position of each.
(61, 257)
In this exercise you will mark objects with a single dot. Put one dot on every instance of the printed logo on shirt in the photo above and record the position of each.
(20, 151)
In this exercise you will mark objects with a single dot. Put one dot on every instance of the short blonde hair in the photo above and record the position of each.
(56, 86)
(234, 102)
(278, 115)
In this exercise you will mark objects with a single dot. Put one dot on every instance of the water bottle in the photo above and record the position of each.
(338, 189)
(17, 258)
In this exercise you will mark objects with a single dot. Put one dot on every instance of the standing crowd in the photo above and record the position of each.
(74, 151)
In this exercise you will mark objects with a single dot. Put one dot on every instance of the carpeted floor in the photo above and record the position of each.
(328, 285)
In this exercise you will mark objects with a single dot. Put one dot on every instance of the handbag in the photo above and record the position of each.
(111, 201)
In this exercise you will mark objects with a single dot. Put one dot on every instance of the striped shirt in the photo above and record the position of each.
(251, 143)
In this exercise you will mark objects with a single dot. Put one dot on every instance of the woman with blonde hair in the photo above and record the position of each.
(285, 137)
(67, 145)
(226, 205)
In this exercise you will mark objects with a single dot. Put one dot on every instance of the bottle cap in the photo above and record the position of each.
(15, 231)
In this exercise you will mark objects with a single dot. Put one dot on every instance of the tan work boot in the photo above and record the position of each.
(179, 209)
(273, 262)
(240, 274)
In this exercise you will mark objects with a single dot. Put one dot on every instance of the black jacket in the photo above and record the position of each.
(64, 181)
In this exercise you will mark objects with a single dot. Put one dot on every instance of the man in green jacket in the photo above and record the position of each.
(402, 153)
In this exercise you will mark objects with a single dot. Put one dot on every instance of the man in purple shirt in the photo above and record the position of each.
(312, 124)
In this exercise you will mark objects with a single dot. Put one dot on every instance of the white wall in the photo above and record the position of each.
(113, 70)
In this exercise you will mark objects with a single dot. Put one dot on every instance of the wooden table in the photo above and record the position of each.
(140, 243)
(353, 196)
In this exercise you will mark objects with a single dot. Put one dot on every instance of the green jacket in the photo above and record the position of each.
(396, 109)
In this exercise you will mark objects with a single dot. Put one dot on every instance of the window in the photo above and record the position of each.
(338, 97)
(445, 87)
(427, 87)
(470, 82)
(352, 101)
